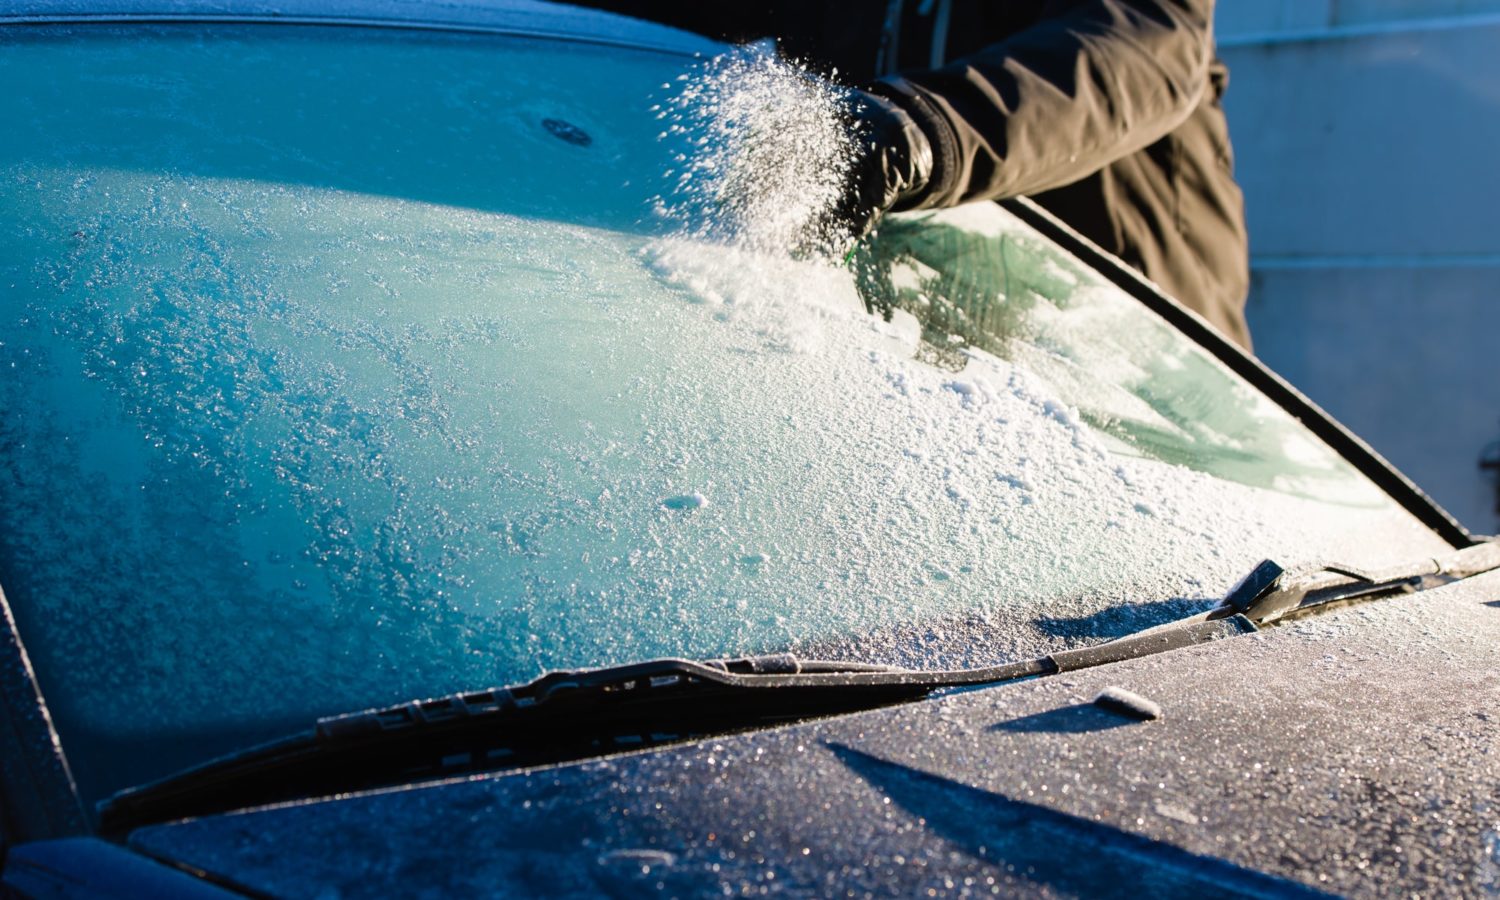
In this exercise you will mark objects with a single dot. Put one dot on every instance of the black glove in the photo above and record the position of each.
(892, 164)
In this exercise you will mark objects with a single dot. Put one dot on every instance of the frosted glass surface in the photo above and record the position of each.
(339, 368)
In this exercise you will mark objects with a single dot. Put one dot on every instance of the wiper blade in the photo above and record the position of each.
(1270, 592)
(565, 716)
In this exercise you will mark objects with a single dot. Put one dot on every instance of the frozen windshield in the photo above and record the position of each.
(341, 367)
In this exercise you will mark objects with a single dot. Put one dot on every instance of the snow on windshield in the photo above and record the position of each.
(762, 155)
(291, 428)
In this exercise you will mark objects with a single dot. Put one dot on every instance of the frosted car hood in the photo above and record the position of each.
(1348, 753)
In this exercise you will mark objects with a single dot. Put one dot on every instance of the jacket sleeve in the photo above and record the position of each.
(1090, 82)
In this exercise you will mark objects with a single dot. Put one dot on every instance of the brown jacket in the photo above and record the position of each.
(1106, 112)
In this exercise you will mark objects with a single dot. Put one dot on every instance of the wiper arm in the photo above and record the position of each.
(1270, 592)
(565, 716)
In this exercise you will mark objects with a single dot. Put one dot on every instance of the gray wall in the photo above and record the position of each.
(1367, 141)
(1237, 18)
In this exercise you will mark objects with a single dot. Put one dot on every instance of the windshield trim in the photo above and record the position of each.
(520, 18)
(38, 796)
(1278, 390)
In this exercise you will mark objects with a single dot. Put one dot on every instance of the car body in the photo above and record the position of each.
(344, 368)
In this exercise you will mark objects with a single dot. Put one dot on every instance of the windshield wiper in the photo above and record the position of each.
(565, 716)
(1270, 592)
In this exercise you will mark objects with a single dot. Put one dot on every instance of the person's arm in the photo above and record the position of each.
(1094, 81)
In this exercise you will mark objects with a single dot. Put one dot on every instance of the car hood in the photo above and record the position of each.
(1352, 753)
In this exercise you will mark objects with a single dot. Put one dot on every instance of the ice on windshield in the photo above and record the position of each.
(335, 375)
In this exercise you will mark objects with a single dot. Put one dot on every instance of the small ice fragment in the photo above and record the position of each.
(685, 501)
(644, 858)
(1127, 703)
(1168, 809)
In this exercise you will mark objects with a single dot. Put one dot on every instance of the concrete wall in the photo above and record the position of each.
(1367, 141)
(1239, 18)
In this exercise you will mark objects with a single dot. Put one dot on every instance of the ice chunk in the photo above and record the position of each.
(1127, 703)
(694, 500)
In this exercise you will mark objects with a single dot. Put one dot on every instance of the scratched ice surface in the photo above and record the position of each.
(335, 373)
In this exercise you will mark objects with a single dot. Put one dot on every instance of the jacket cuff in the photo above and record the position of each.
(943, 185)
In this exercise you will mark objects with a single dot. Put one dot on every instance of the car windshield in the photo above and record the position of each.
(342, 366)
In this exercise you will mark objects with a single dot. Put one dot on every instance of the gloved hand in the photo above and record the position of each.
(892, 165)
